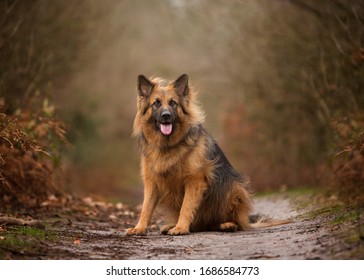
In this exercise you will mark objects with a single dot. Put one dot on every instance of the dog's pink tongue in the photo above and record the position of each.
(166, 129)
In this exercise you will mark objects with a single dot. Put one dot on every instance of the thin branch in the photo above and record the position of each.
(21, 222)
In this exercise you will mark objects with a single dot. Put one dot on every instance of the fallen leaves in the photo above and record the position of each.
(100, 204)
(77, 242)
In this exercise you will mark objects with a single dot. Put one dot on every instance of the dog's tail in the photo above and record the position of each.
(262, 221)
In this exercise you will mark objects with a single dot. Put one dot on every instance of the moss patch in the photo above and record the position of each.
(24, 240)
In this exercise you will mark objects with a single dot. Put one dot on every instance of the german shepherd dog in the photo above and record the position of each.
(184, 170)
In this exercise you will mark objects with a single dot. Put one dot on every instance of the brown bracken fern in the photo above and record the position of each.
(29, 152)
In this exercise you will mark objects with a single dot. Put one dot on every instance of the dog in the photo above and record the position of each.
(184, 170)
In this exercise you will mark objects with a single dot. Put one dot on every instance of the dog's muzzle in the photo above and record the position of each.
(165, 123)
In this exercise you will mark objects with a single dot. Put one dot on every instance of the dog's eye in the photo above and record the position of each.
(172, 103)
(157, 103)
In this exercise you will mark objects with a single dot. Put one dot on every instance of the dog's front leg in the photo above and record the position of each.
(149, 203)
(194, 190)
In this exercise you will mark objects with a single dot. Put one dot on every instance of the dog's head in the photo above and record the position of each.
(164, 100)
(165, 109)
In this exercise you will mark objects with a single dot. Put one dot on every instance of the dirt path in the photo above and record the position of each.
(98, 233)
(302, 239)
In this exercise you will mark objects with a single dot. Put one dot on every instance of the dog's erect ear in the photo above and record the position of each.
(181, 85)
(145, 87)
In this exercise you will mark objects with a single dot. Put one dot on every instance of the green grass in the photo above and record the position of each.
(10, 241)
(35, 233)
(24, 240)
(331, 210)
(342, 217)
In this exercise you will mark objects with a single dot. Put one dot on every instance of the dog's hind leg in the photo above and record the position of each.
(229, 227)
(239, 207)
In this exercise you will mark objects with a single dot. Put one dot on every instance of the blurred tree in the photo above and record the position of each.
(39, 44)
(304, 93)
(280, 81)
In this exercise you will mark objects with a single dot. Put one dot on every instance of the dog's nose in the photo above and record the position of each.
(166, 115)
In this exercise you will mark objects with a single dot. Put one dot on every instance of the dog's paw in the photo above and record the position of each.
(136, 231)
(178, 231)
(166, 228)
(229, 227)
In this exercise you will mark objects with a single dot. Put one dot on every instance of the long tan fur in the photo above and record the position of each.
(183, 169)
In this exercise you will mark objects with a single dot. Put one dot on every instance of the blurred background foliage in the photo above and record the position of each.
(281, 83)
